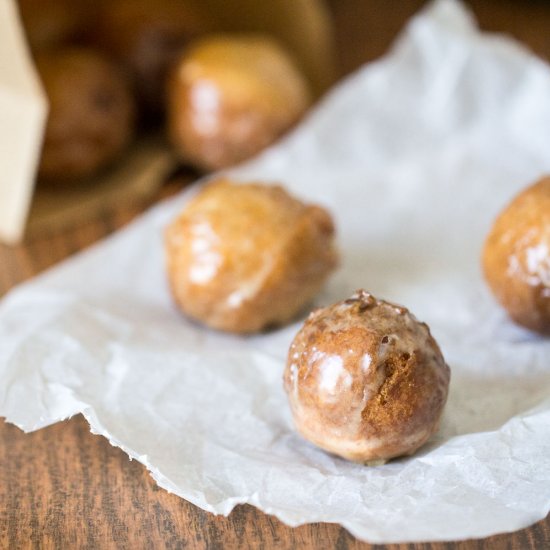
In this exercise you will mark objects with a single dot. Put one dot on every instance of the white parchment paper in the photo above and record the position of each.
(414, 155)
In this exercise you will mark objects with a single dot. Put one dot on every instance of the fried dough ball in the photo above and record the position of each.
(245, 257)
(147, 37)
(366, 380)
(91, 113)
(232, 96)
(516, 258)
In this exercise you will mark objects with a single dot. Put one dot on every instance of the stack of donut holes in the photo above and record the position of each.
(111, 69)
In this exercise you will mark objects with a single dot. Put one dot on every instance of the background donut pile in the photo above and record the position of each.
(113, 69)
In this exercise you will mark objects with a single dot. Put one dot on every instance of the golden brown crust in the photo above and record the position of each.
(242, 258)
(366, 380)
(91, 113)
(232, 96)
(147, 37)
(516, 258)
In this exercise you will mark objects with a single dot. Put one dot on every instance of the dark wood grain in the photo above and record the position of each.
(62, 487)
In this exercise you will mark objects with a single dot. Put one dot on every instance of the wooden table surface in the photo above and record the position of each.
(62, 487)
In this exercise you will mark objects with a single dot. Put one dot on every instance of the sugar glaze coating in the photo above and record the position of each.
(366, 380)
(245, 257)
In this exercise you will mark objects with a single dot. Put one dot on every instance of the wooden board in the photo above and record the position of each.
(136, 178)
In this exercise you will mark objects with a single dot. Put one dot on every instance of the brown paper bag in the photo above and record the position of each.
(303, 26)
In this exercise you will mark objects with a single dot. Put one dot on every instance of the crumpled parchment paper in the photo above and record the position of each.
(414, 155)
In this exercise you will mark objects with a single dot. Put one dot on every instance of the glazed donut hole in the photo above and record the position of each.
(366, 380)
(230, 96)
(244, 258)
(516, 258)
(91, 113)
